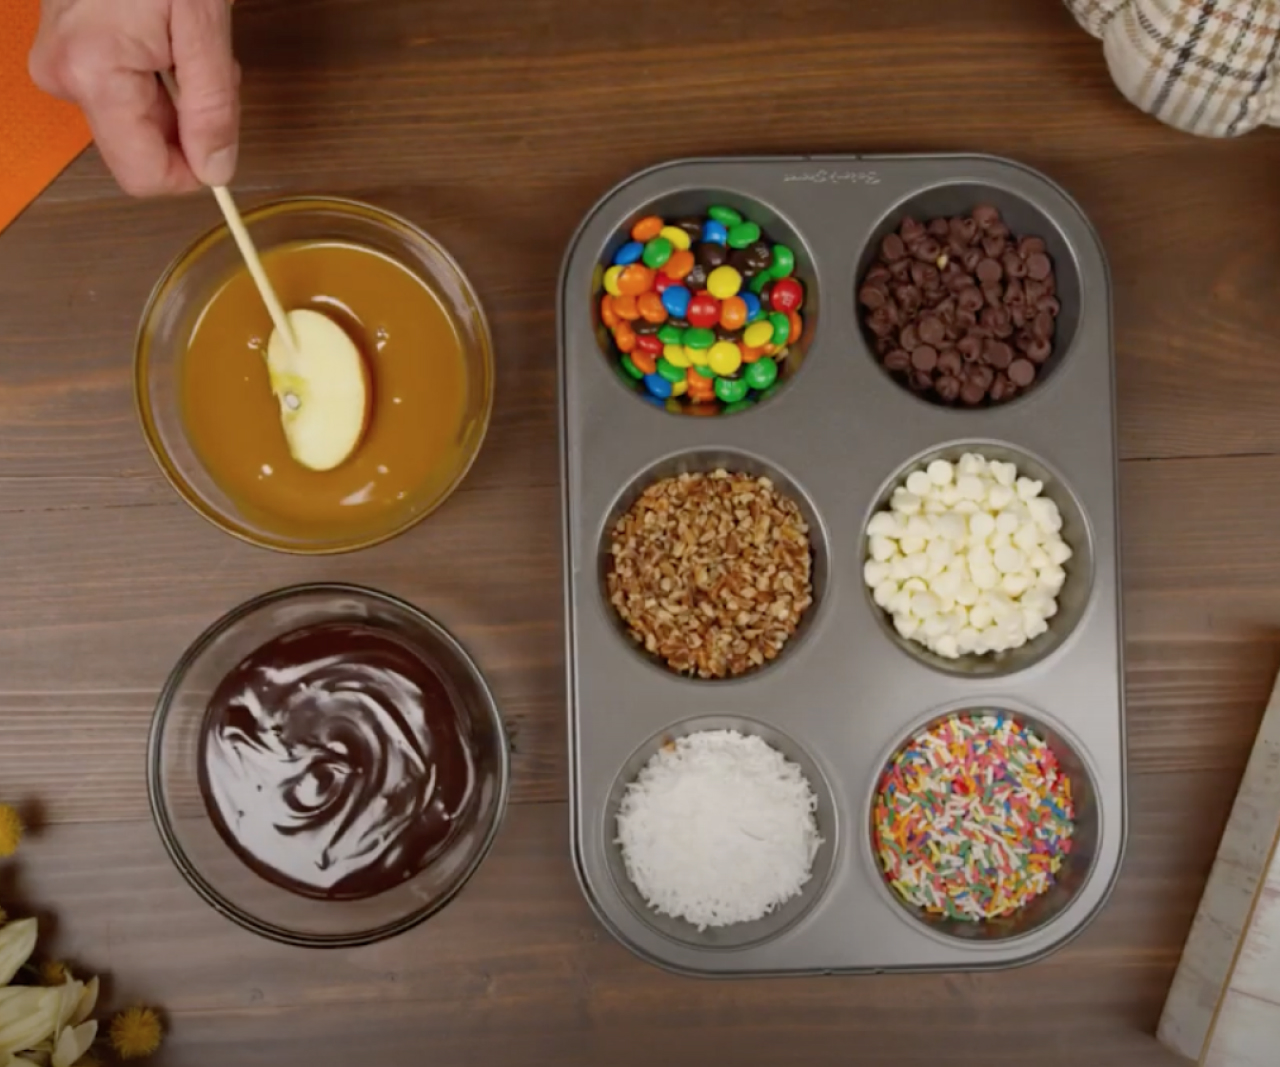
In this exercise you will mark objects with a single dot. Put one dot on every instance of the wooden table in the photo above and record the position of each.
(496, 124)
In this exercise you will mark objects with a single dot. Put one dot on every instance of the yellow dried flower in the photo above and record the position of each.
(54, 972)
(135, 1033)
(10, 830)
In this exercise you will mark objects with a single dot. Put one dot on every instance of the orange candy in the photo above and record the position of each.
(749, 354)
(647, 228)
(607, 315)
(797, 327)
(644, 361)
(679, 265)
(651, 309)
(624, 337)
(733, 313)
(635, 279)
(626, 307)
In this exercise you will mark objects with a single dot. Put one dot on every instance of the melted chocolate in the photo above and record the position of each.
(333, 761)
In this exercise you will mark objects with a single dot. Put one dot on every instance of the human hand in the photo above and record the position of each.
(104, 56)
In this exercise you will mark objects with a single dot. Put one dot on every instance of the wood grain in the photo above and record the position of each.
(496, 125)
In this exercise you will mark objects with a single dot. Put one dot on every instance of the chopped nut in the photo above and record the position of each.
(711, 572)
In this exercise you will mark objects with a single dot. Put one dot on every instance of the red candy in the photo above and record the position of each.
(786, 295)
(647, 342)
(662, 282)
(704, 311)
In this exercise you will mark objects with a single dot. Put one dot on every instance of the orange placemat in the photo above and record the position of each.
(39, 135)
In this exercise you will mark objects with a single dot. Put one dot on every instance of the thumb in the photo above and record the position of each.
(208, 87)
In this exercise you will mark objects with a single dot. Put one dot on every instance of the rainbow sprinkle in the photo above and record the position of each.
(973, 818)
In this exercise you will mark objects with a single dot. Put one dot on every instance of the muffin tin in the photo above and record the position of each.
(846, 692)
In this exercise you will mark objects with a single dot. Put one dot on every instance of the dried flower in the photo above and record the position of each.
(17, 942)
(73, 1043)
(54, 972)
(135, 1033)
(10, 830)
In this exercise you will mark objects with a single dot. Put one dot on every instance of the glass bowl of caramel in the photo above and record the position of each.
(205, 397)
(327, 766)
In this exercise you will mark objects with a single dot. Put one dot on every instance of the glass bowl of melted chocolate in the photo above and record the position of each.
(327, 766)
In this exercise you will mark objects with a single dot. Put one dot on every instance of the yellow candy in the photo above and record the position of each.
(758, 334)
(698, 356)
(724, 282)
(725, 357)
(678, 238)
(679, 388)
(611, 282)
(676, 355)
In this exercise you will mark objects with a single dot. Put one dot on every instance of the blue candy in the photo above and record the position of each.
(628, 253)
(754, 310)
(658, 386)
(675, 298)
(715, 232)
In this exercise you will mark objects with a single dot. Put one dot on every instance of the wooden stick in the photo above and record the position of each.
(245, 243)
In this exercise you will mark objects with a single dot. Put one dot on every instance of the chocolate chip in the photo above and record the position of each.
(993, 295)
(972, 393)
(1002, 389)
(966, 319)
(872, 296)
(969, 347)
(971, 259)
(927, 250)
(878, 273)
(1014, 296)
(1013, 265)
(970, 298)
(1022, 372)
(909, 338)
(932, 331)
(900, 270)
(1030, 245)
(950, 362)
(925, 357)
(922, 381)
(948, 388)
(1042, 328)
(1038, 266)
(892, 247)
(1049, 304)
(998, 354)
(911, 229)
(897, 360)
(989, 271)
(984, 215)
(994, 246)
(880, 323)
(1038, 351)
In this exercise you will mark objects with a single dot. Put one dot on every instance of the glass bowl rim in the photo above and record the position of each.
(157, 802)
(142, 404)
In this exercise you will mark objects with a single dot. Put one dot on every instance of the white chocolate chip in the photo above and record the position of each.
(941, 472)
(882, 549)
(885, 592)
(919, 483)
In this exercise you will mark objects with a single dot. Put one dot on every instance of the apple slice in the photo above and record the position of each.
(323, 388)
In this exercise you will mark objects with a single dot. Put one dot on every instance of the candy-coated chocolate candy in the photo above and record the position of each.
(657, 385)
(783, 262)
(725, 357)
(754, 310)
(647, 228)
(670, 334)
(631, 368)
(743, 234)
(611, 277)
(624, 337)
(704, 310)
(758, 334)
(677, 356)
(646, 361)
(657, 252)
(787, 294)
(757, 286)
(678, 389)
(649, 345)
(680, 264)
(724, 282)
(714, 232)
(726, 216)
(678, 237)
(761, 374)
(628, 253)
(738, 405)
(781, 327)
(670, 371)
(626, 307)
(698, 338)
(651, 307)
(733, 313)
(634, 280)
(676, 298)
(607, 315)
(797, 327)
(730, 390)
(662, 282)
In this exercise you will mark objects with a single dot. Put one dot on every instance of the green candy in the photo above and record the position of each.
(731, 390)
(670, 371)
(784, 262)
(726, 216)
(657, 252)
(760, 281)
(761, 374)
(771, 391)
(738, 405)
(699, 337)
(704, 370)
(671, 335)
(781, 327)
(631, 368)
(743, 234)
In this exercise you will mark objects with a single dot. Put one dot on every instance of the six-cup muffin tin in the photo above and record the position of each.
(838, 437)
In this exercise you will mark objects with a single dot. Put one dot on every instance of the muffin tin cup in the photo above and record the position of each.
(841, 434)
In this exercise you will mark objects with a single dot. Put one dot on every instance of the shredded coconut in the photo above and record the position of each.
(718, 828)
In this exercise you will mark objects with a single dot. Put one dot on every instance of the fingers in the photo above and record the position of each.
(208, 87)
(134, 125)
